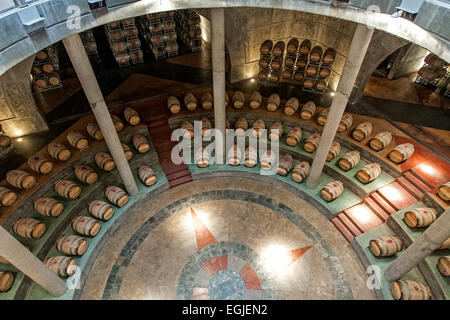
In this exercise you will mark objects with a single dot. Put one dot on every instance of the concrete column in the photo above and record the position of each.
(218, 69)
(21, 258)
(83, 68)
(356, 53)
(430, 240)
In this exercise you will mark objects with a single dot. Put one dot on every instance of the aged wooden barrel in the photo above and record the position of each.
(262, 75)
(133, 44)
(430, 74)
(287, 73)
(86, 226)
(41, 55)
(316, 54)
(291, 106)
(346, 122)
(301, 171)
(140, 143)
(362, 131)
(385, 246)
(305, 47)
(72, 245)
(443, 265)
(267, 160)
(131, 116)
(420, 217)
(311, 70)
(445, 244)
(94, 131)
(7, 197)
(380, 140)
(128, 153)
(6, 280)
(294, 136)
(274, 77)
(251, 157)
(147, 175)
(292, 45)
(67, 189)
(61, 265)
(308, 83)
(401, 152)
(285, 165)
(116, 196)
(240, 126)
(273, 135)
(118, 46)
(86, 174)
(173, 104)
(77, 140)
(276, 64)
(410, 290)
(40, 164)
(308, 109)
(266, 47)
(273, 102)
(312, 142)
(238, 100)
(301, 63)
(201, 158)
(169, 25)
(258, 126)
(255, 100)
(299, 76)
(289, 61)
(104, 161)
(334, 151)
(329, 56)
(324, 72)
(278, 49)
(118, 123)
(48, 68)
(190, 101)
(207, 101)
(234, 155)
(444, 192)
(130, 32)
(5, 141)
(36, 70)
(332, 190)
(101, 210)
(29, 228)
(349, 160)
(20, 179)
(320, 85)
(122, 58)
(48, 207)
(188, 129)
(369, 172)
(206, 127)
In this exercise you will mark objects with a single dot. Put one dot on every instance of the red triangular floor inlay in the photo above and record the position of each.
(203, 235)
(250, 277)
(216, 264)
(297, 253)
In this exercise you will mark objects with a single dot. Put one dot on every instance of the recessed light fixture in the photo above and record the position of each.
(20, 140)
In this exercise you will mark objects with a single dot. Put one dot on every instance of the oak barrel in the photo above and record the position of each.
(266, 47)
(444, 192)
(267, 160)
(67, 189)
(238, 100)
(287, 73)
(294, 136)
(262, 75)
(362, 131)
(116, 196)
(264, 63)
(349, 160)
(251, 157)
(380, 140)
(276, 64)
(173, 104)
(410, 290)
(100, 210)
(5, 141)
(443, 265)
(7, 197)
(316, 54)
(59, 151)
(312, 142)
(77, 140)
(329, 56)
(308, 109)
(118, 123)
(190, 101)
(234, 155)
(369, 172)
(401, 152)
(258, 127)
(104, 161)
(241, 126)
(202, 158)
(61, 265)
(273, 102)
(6, 280)
(273, 135)
(20, 179)
(278, 49)
(311, 70)
(207, 101)
(420, 217)
(86, 174)
(128, 153)
(305, 47)
(206, 127)
(299, 76)
(301, 64)
(289, 61)
(308, 83)
(385, 246)
(72, 245)
(29, 228)
(140, 143)
(320, 85)
(255, 100)
(346, 122)
(86, 226)
(131, 116)
(301, 171)
(94, 131)
(324, 72)
(48, 207)
(147, 175)
(332, 190)
(334, 151)
(285, 165)
(323, 116)
(188, 129)
(292, 45)
(291, 106)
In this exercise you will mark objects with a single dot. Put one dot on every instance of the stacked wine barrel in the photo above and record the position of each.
(45, 76)
(271, 60)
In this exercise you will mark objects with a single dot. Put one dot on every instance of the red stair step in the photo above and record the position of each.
(362, 217)
(180, 180)
(379, 211)
(410, 187)
(397, 196)
(348, 224)
(177, 174)
(418, 181)
(340, 226)
(382, 203)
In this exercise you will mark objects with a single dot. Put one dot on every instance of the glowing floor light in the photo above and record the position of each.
(392, 193)
(427, 168)
(277, 258)
(362, 213)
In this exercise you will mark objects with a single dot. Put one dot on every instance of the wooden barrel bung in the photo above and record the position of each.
(94, 131)
(346, 122)
(334, 151)
(420, 217)
(278, 49)
(7, 197)
(67, 189)
(273, 102)
(291, 106)
(207, 101)
(251, 157)
(380, 140)
(266, 47)
(6, 281)
(294, 136)
(173, 104)
(206, 127)
(444, 192)
(401, 152)
(267, 160)
(234, 155)
(305, 47)
(258, 127)
(385, 246)
(29, 228)
(5, 141)
(255, 100)
(238, 100)
(147, 175)
(190, 101)
(312, 142)
(77, 140)
(48, 207)
(131, 116)
(100, 210)
(369, 172)
(127, 150)
(202, 158)
(301, 171)
(104, 161)
(86, 226)
(299, 76)
(349, 160)
(40, 164)
(308, 109)
(86, 174)
(410, 290)
(276, 130)
(116, 196)
(59, 151)
(140, 143)
(61, 265)
(188, 129)
(316, 54)
(20, 179)
(332, 190)
(285, 165)
(329, 56)
(72, 245)
(292, 45)
(443, 265)
(241, 126)
(362, 131)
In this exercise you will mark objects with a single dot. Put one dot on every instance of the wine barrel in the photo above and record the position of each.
(67, 189)
(258, 127)
(7, 197)
(206, 127)
(346, 122)
(173, 104)
(255, 100)
(77, 140)
(94, 131)
(29, 228)
(5, 141)
(104, 161)
(40, 164)
(100, 210)
(301, 63)
(430, 74)
(312, 142)
(48, 207)
(190, 101)
(41, 55)
(116, 196)
(369, 172)
(273, 135)
(20, 179)
(48, 68)
(316, 54)
(311, 70)
(420, 217)
(234, 155)
(118, 46)
(207, 101)
(308, 109)
(72, 245)
(301, 171)
(323, 116)
(308, 83)
(285, 165)
(188, 129)
(267, 160)
(202, 158)
(276, 64)
(41, 83)
(401, 152)
(140, 143)
(332, 190)
(334, 151)
(273, 102)
(86, 174)
(385, 246)
(6, 281)
(444, 192)
(137, 56)
(266, 47)
(289, 61)
(304, 48)
(241, 126)
(61, 265)
(122, 58)
(130, 32)
(86, 226)
(349, 160)
(443, 265)
(128, 153)
(445, 244)
(287, 74)
(292, 45)
(278, 49)
(131, 116)
(291, 106)
(329, 56)
(262, 75)
(274, 77)
(299, 76)
(410, 290)
(324, 72)
(54, 81)
(362, 131)
(294, 136)
(118, 124)
(238, 100)
(90, 46)
(321, 85)
(380, 140)
(36, 70)
(147, 175)
(251, 157)
(133, 44)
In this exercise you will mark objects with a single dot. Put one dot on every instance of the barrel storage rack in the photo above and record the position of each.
(268, 60)
(188, 29)
(90, 45)
(44, 72)
(435, 75)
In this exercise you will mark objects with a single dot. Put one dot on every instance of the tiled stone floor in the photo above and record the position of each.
(241, 232)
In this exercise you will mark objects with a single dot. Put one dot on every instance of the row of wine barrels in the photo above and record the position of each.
(188, 129)
(29, 228)
(201, 158)
(131, 116)
(285, 165)
(37, 70)
(72, 245)
(86, 226)
(116, 196)
(267, 160)
(133, 44)
(190, 101)
(255, 100)
(7, 197)
(443, 265)
(294, 136)
(312, 142)
(385, 246)
(118, 124)
(61, 265)
(6, 280)
(444, 192)
(238, 100)
(77, 140)
(381, 140)
(258, 127)
(59, 151)
(52, 81)
(335, 149)
(349, 160)
(346, 122)
(434, 61)
(362, 131)
(20, 179)
(206, 127)
(332, 190)
(234, 155)
(241, 126)
(5, 141)
(308, 109)
(369, 172)
(48, 207)
(301, 171)
(118, 46)
(94, 131)
(251, 157)
(410, 290)
(67, 189)
(104, 161)
(273, 102)
(276, 130)
(86, 174)
(100, 210)
(266, 47)
(207, 101)
(430, 73)
(420, 217)
(140, 143)
(291, 106)
(147, 175)
(128, 153)
(401, 152)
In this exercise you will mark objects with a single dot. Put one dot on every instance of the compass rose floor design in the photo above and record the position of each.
(226, 239)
